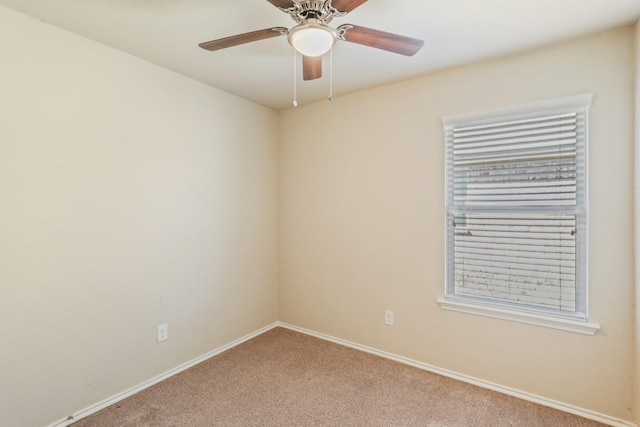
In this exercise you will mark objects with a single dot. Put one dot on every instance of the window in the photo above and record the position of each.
(516, 211)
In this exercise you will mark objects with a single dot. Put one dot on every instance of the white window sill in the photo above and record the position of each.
(520, 316)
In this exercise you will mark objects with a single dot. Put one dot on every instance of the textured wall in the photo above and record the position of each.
(637, 220)
(129, 196)
(362, 223)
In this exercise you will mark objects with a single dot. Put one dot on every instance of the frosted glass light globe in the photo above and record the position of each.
(311, 39)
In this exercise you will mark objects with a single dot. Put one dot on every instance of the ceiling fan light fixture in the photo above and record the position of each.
(311, 38)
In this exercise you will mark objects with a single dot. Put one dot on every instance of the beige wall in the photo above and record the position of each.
(129, 196)
(362, 223)
(637, 220)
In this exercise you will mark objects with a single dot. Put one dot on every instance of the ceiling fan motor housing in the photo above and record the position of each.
(321, 10)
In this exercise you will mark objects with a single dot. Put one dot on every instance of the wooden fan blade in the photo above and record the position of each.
(311, 67)
(381, 40)
(346, 5)
(285, 4)
(253, 36)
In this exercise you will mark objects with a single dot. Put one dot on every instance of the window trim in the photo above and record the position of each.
(569, 322)
(520, 315)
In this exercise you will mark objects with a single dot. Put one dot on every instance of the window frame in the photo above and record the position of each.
(574, 322)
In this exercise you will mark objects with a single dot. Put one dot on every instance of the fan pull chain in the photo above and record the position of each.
(295, 74)
(331, 74)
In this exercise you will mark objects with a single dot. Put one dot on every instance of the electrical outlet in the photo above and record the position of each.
(388, 317)
(163, 332)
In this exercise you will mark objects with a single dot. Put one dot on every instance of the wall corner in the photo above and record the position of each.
(636, 85)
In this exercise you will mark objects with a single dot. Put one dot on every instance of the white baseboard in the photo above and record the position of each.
(605, 419)
(121, 396)
(585, 413)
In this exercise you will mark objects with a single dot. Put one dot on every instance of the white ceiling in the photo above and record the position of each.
(167, 33)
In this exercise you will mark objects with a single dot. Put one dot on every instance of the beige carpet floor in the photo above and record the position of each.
(285, 378)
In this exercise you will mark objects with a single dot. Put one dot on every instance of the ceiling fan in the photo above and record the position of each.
(313, 37)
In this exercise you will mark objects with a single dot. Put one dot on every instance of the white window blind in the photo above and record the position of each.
(516, 203)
